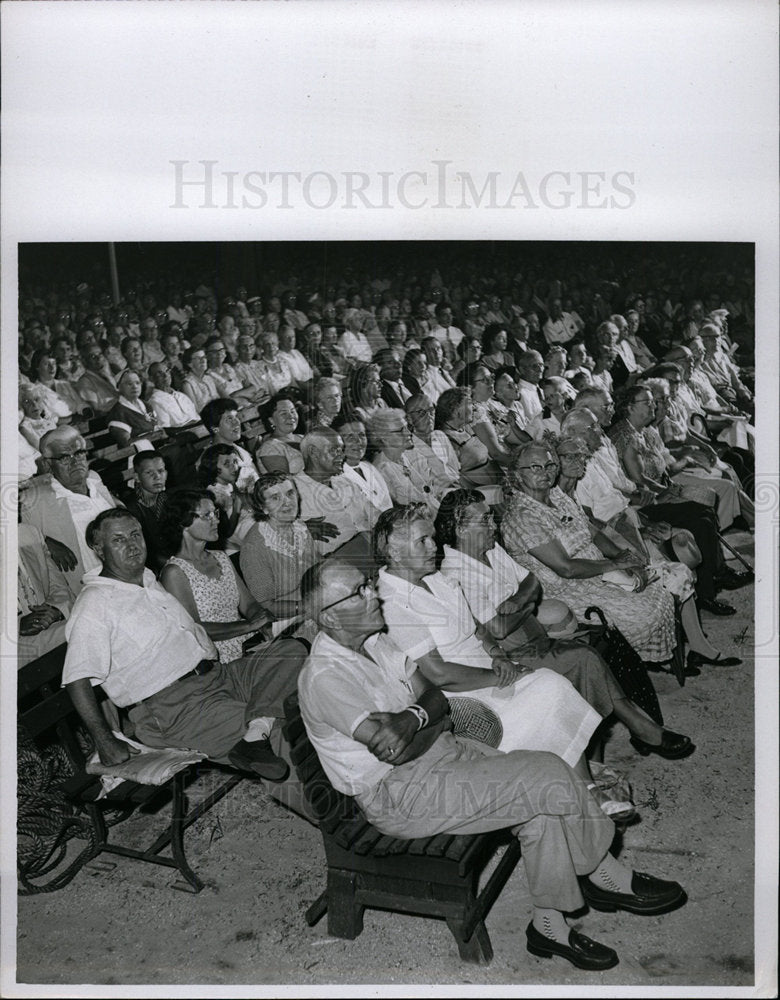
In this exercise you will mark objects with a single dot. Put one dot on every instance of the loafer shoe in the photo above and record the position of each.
(580, 951)
(696, 659)
(649, 896)
(673, 746)
(717, 608)
(731, 580)
(259, 759)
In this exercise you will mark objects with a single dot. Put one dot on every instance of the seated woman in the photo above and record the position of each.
(130, 417)
(494, 344)
(356, 469)
(197, 384)
(454, 415)
(700, 463)
(491, 430)
(415, 374)
(326, 403)
(502, 595)
(504, 408)
(556, 403)
(420, 415)
(278, 373)
(469, 351)
(59, 396)
(206, 584)
(428, 617)
(280, 451)
(219, 468)
(224, 375)
(677, 578)
(363, 395)
(278, 549)
(221, 418)
(644, 462)
(36, 419)
(301, 369)
(439, 377)
(204, 580)
(549, 534)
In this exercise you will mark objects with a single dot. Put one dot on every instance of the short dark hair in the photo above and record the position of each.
(450, 515)
(95, 527)
(179, 513)
(141, 457)
(214, 411)
(208, 469)
(263, 483)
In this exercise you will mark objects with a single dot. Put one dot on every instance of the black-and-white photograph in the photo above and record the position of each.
(390, 520)
(355, 559)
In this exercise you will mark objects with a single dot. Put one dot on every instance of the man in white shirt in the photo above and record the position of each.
(381, 732)
(137, 641)
(326, 495)
(529, 396)
(560, 327)
(64, 504)
(449, 336)
(96, 386)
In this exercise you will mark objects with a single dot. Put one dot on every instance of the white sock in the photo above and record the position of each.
(611, 875)
(258, 729)
(552, 924)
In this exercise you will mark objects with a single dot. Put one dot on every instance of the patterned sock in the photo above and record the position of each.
(552, 924)
(611, 875)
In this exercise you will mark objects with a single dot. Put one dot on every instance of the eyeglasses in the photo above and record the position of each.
(72, 458)
(363, 590)
(572, 454)
(212, 515)
(547, 467)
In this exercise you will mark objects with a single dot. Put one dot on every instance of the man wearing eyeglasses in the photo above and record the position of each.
(382, 733)
(62, 505)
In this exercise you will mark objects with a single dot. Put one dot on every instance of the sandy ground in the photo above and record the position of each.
(263, 866)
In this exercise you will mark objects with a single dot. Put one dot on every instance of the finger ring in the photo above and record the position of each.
(391, 751)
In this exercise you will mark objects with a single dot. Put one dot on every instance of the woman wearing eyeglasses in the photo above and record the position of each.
(548, 533)
(204, 580)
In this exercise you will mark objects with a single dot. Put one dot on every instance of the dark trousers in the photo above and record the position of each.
(703, 525)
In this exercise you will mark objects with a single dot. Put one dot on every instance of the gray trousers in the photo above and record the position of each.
(459, 786)
(210, 713)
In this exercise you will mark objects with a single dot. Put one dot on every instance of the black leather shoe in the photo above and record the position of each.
(259, 759)
(717, 608)
(649, 896)
(731, 580)
(696, 659)
(580, 951)
(673, 746)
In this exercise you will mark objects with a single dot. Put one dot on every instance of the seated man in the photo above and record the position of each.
(63, 505)
(327, 496)
(43, 598)
(96, 386)
(409, 473)
(131, 636)
(381, 732)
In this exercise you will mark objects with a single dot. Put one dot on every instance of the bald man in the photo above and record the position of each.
(63, 505)
(328, 496)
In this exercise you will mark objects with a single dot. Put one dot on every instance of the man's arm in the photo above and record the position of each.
(402, 732)
(110, 749)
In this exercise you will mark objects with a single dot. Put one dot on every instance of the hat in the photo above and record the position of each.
(557, 619)
(252, 299)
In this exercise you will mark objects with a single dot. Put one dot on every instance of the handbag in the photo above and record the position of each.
(624, 662)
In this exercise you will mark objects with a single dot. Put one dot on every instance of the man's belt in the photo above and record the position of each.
(204, 667)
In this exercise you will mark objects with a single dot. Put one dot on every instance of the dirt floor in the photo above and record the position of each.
(263, 866)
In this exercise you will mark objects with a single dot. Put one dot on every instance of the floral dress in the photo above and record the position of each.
(216, 600)
(646, 619)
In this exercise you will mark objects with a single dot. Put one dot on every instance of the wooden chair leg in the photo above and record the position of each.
(318, 909)
(345, 916)
(477, 950)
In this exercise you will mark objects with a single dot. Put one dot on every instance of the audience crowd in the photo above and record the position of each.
(396, 492)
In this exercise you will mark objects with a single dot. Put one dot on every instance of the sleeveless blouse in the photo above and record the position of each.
(216, 600)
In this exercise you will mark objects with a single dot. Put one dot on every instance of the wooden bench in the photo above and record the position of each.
(433, 876)
(46, 711)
